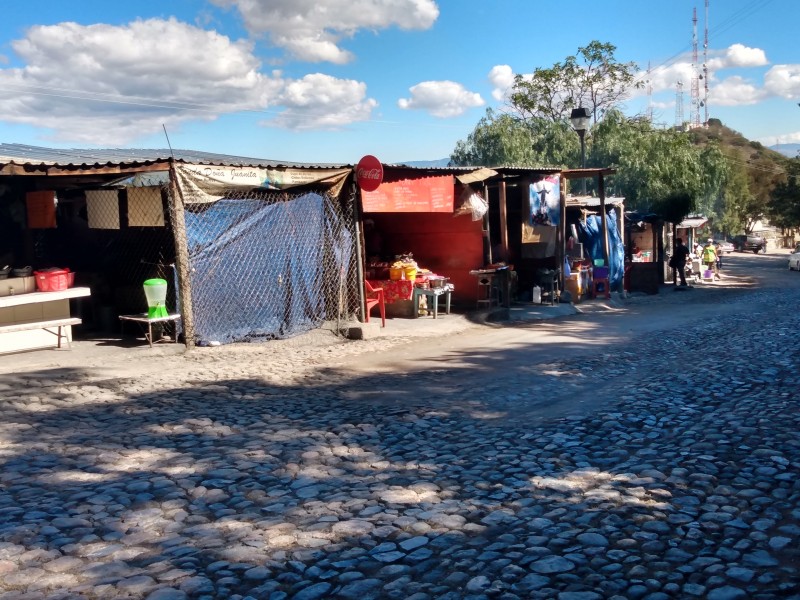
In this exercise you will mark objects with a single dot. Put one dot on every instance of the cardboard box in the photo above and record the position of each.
(538, 241)
(572, 284)
(17, 285)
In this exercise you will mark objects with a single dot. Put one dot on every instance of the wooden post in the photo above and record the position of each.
(486, 230)
(625, 251)
(562, 231)
(503, 218)
(360, 253)
(176, 208)
(601, 189)
(674, 271)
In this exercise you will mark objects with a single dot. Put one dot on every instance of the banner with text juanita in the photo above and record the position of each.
(203, 183)
(426, 194)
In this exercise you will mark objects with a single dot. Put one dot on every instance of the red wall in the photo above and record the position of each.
(447, 245)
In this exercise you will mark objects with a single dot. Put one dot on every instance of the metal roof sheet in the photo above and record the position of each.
(36, 155)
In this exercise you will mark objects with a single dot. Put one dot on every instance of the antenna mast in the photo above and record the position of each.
(679, 104)
(695, 90)
(649, 95)
(705, 71)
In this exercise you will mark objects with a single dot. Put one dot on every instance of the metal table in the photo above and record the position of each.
(145, 320)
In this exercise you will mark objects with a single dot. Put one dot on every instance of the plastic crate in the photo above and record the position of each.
(54, 280)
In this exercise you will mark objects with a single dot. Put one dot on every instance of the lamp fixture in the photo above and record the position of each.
(580, 118)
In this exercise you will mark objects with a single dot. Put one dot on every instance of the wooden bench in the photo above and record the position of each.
(46, 325)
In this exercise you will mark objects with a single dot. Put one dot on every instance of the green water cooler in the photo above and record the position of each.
(155, 290)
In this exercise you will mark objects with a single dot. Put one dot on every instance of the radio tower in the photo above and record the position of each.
(705, 71)
(694, 118)
(649, 95)
(679, 104)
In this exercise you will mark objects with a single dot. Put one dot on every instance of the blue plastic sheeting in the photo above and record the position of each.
(259, 270)
(590, 234)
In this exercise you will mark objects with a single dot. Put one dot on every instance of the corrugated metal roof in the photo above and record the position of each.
(470, 168)
(74, 157)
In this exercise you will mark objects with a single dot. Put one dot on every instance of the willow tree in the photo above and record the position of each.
(657, 170)
(784, 206)
(504, 139)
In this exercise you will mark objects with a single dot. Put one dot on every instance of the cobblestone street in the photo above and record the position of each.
(671, 472)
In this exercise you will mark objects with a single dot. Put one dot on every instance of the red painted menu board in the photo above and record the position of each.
(427, 194)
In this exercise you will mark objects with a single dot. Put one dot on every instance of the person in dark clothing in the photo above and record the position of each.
(680, 256)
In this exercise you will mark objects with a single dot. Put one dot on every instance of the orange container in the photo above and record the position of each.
(54, 280)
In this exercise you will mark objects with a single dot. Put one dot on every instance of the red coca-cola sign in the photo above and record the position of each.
(369, 173)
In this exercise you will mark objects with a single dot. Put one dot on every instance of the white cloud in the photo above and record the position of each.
(791, 138)
(666, 78)
(735, 91)
(441, 99)
(320, 101)
(739, 56)
(783, 81)
(502, 78)
(311, 30)
(103, 84)
(109, 85)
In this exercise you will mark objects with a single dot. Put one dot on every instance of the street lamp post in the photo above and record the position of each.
(580, 123)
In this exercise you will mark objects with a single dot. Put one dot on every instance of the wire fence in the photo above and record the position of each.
(270, 265)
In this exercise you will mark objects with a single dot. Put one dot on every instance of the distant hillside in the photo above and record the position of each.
(442, 162)
(753, 154)
(790, 150)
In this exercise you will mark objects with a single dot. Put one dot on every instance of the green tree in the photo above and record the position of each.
(784, 205)
(498, 139)
(715, 170)
(734, 197)
(503, 139)
(593, 78)
(657, 170)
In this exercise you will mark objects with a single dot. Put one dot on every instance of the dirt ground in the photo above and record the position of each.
(411, 345)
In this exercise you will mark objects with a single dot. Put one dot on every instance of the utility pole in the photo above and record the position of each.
(705, 71)
(694, 117)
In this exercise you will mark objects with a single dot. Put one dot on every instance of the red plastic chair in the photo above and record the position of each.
(374, 296)
(600, 282)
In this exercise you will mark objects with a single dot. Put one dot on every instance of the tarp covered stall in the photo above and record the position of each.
(259, 271)
(270, 251)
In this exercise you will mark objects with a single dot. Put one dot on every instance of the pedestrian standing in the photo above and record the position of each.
(678, 260)
(710, 258)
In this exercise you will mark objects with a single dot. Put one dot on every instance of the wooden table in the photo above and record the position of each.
(494, 287)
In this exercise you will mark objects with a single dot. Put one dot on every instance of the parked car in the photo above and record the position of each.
(794, 259)
(725, 246)
(752, 242)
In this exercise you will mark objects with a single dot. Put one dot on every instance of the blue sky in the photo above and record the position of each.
(333, 80)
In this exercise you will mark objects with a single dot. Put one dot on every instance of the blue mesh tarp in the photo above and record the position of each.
(259, 270)
(590, 233)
